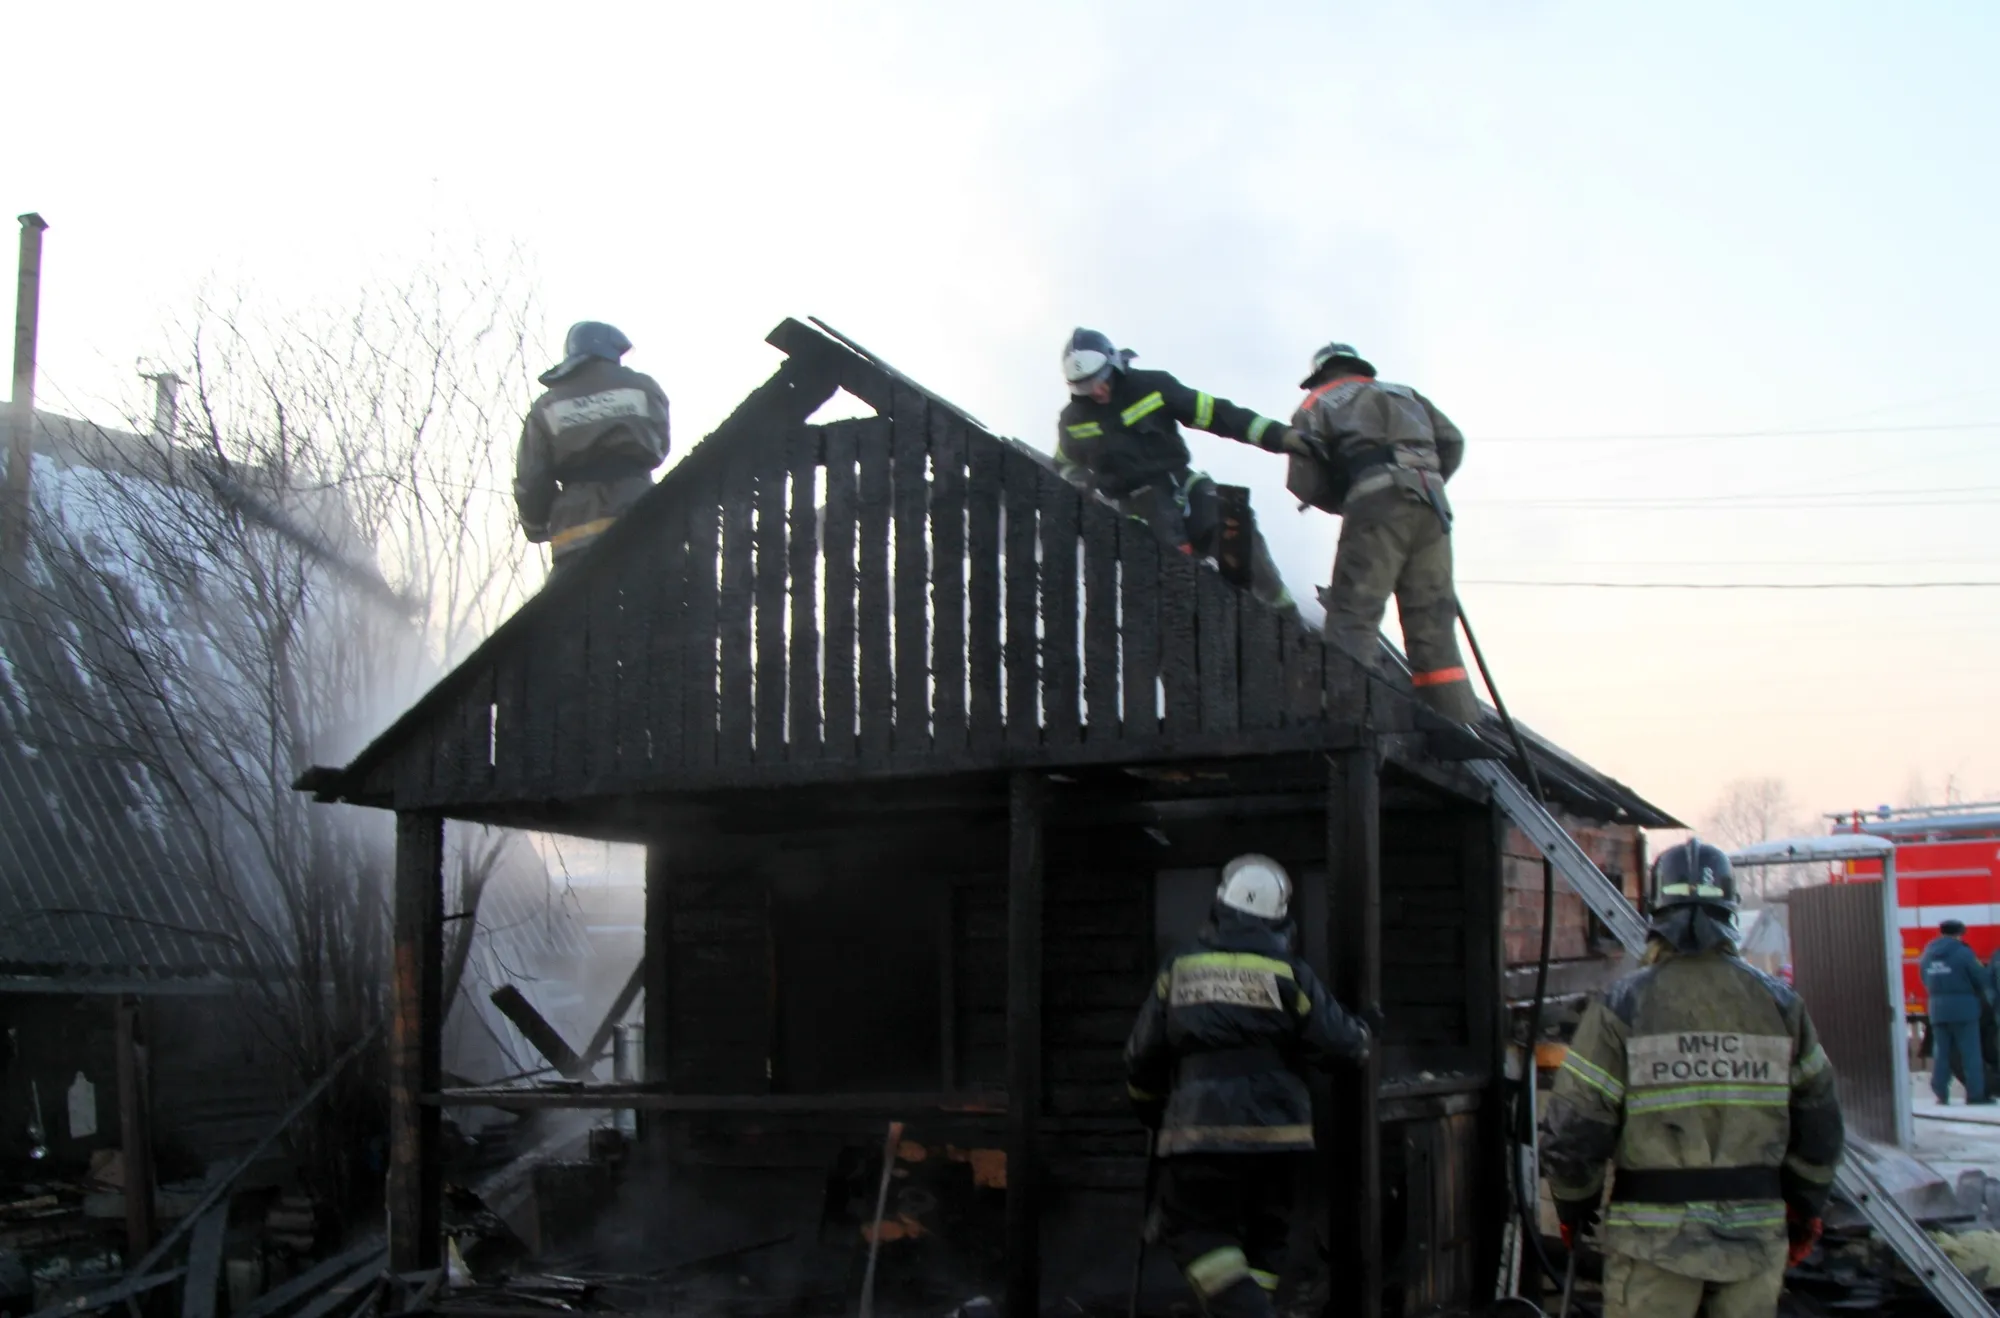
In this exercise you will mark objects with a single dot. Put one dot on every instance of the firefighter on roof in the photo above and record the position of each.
(1389, 454)
(1120, 437)
(1213, 1069)
(588, 445)
(1703, 1082)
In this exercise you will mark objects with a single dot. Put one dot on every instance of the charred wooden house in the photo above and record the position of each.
(931, 756)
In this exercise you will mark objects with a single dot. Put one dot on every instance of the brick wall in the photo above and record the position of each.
(1617, 850)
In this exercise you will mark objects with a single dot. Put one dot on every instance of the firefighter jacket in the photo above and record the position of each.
(1702, 1081)
(1954, 981)
(1135, 440)
(1378, 435)
(587, 446)
(1222, 1036)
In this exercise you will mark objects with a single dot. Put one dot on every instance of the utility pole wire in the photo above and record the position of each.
(1775, 433)
(1742, 585)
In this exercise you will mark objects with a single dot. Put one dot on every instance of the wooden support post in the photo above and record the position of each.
(658, 964)
(134, 1129)
(1354, 945)
(415, 1021)
(1025, 806)
(535, 1028)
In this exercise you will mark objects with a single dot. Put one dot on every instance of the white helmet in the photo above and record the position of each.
(1256, 885)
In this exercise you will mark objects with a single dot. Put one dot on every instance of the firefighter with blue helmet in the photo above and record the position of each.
(589, 445)
(1702, 1082)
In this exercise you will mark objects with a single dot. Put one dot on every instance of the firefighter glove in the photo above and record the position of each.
(1291, 440)
(1803, 1233)
(1578, 1218)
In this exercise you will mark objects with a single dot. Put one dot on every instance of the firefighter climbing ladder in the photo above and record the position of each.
(1855, 1180)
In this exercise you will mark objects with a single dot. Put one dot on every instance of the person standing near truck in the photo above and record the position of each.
(1959, 989)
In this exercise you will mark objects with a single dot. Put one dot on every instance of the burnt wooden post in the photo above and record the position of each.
(1354, 949)
(659, 971)
(414, 1043)
(135, 1129)
(1025, 802)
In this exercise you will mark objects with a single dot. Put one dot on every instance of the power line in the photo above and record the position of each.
(1774, 433)
(1740, 585)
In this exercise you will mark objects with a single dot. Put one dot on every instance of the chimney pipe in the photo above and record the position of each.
(21, 449)
(166, 404)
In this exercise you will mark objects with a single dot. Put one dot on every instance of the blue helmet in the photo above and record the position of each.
(587, 340)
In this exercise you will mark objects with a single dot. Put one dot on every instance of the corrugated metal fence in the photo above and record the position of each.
(1837, 955)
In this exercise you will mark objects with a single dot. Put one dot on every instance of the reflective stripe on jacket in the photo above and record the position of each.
(1702, 1080)
(1135, 439)
(1220, 1038)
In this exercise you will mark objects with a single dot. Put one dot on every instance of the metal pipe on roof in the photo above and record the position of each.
(21, 449)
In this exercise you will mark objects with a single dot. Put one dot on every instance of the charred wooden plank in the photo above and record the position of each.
(1305, 657)
(734, 607)
(476, 734)
(840, 634)
(603, 642)
(803, 733)
(1260, 665)
(910, 461)
(1100, 621)
(1021, 481)
(659, 962)
(415, 1043)
(947, 523)
(774, 571)
(982, 533)
(1180, 660)
(876, 605)
(535, 1028)
(1061, 686)
(1216, 642)
(1354, 940)
(548, 703)
(1026, 799)
(663, 646)
(1139, 588)
(510, 732)
(698, 654)
(1346, 683)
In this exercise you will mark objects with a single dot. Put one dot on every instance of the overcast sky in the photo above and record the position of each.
(1563, 222)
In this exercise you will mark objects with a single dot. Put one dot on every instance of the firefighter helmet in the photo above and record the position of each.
(1256, 885)
(1089, 357)
(1335, 357)
(1693, 873)
(588, 340)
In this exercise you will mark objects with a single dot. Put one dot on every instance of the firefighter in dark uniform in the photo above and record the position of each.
(1390, 453)
(1703, 1082)
(588, 445)
(1213, 1070)
(1120, 437)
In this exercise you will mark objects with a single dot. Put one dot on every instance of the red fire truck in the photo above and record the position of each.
(1947, 868)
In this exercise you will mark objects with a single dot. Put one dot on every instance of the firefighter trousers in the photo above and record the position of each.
(1183, 509)
(1226, 1219)
(1636, 1289)
(1955, 1051)
(1393, 543)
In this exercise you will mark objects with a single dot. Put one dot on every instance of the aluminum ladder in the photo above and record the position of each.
(1854, 1180)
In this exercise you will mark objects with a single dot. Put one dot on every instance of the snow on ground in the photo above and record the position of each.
(1954, 1138)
